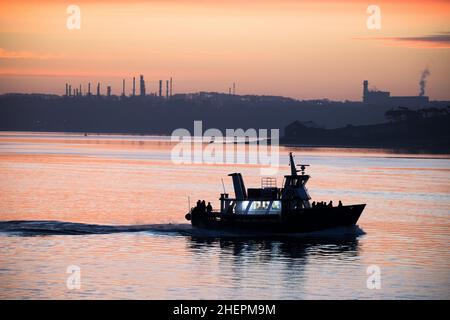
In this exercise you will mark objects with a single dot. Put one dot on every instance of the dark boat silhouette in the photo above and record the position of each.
(272, 209)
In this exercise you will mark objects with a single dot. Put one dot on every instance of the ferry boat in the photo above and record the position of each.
(272, 209)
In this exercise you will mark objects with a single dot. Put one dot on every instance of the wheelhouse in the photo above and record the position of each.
(268, 199)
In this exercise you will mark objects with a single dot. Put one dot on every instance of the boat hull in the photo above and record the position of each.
(299, 221)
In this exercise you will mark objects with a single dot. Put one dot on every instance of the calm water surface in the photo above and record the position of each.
(114, 206)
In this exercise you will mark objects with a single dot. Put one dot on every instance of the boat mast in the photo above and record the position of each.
(292, 164)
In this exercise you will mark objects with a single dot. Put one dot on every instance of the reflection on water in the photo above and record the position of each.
(114, 206)
(163, 265)
(296, 249)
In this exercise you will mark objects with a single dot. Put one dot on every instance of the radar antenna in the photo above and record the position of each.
(294, 169)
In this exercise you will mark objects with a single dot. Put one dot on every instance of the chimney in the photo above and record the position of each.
(239, 187)
(142, 85)
(98, 89)
(167, 88)
(160, 88)
(134, 86)
(89, 89)
(70, 90)
(234, 88)
(67, 89)
(108, 91)
(365, 90)
(123, 87)
(171, 92)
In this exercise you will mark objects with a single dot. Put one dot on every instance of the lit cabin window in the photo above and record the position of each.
(276, 206)
(262, 207)
(242, 207)
(258, 207)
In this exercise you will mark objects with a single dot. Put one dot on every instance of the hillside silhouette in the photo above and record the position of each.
(427, 129)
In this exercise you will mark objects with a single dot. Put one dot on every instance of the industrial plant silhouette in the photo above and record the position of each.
(384, 97)
(162, 110)
(78, 92)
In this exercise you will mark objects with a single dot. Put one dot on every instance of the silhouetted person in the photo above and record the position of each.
(209, 208)
(313, 204)
(203, 206)
(330, 205)
(340, 203)
(199, 203)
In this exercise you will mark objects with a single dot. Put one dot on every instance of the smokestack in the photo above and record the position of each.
(171, 86)
(167, 88)
(98, 89)
(70, 90)
(365, 89)
(108, 91)
(123, 87)
(234, 88)
(423, 81)
(67, 89)
(142, 85)
(89, 89)
(160, 88)
(239, 187)
(79, 92)
(134, 86)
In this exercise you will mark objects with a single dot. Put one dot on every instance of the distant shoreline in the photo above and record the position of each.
(398, 149)
(88, 133)
(411, 149)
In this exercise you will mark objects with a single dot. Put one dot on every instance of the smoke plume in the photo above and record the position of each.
(423, 81)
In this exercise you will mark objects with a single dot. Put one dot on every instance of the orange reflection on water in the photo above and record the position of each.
(131, 180)
(128, 180)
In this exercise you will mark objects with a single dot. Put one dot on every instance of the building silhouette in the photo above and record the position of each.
(378, 97)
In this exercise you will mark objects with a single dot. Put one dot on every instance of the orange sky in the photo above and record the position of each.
(302, 49)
